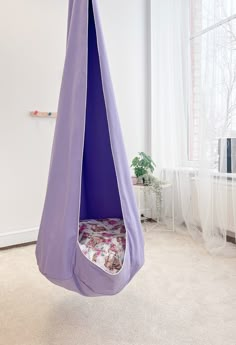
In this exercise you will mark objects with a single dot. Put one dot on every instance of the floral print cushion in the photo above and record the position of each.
(103, 242)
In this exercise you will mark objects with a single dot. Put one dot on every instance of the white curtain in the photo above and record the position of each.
(170, 93)
(194, 115)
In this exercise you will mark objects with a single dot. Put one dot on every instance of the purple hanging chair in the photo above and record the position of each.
(89, 174)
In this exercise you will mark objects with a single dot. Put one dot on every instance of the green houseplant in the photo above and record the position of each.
(142, 165)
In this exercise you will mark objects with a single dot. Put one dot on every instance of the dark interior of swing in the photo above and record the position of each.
(101, 221)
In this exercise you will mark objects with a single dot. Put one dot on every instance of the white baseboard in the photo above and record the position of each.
(18, 237)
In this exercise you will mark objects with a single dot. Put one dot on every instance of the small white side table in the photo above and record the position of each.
(145, 205)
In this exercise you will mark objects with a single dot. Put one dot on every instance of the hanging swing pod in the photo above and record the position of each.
(89, 175)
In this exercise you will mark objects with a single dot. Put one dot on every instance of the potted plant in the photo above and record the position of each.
(142, 165)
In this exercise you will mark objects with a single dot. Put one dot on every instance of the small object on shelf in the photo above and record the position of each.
(37, 113)
(134, 180)
(227, 155)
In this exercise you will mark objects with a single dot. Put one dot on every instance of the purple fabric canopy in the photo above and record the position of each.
(89, 173)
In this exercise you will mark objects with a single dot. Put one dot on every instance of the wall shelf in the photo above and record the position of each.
(37, 113)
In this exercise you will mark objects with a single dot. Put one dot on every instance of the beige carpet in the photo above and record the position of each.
(182, 296)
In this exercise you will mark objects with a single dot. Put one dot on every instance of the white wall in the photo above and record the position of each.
(32, 46)
(125, 29)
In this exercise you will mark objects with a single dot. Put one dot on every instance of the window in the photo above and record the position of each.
(213, 64)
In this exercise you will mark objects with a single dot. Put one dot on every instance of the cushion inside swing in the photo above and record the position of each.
(103, 242)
